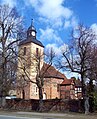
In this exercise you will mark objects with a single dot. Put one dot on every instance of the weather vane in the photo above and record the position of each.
(32, 22)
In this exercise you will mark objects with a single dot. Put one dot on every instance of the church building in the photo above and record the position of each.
(28, 51)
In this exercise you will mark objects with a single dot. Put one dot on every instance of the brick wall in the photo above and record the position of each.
(49, 105)
(51, 88)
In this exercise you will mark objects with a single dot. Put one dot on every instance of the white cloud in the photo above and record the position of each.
(58, 50)
(67, 24)
(54, 48)
(53, 10)
(73, 22)
(94, 28)
(11, 3)
(50, 35)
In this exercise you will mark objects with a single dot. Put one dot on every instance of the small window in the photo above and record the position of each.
(36, 90)
(58, 87)
(37, 52)
(76, 89)
(24, 50)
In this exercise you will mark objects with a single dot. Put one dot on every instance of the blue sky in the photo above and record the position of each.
(54, 19)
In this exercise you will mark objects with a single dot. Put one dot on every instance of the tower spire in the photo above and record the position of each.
(31, 30)
(31, 22)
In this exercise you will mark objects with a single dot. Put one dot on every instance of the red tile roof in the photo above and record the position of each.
(72, 80)
(51, 72)
(66, 82)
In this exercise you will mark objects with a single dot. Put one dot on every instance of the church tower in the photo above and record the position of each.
(30, 52)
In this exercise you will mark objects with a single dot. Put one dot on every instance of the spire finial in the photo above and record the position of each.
(31, 22)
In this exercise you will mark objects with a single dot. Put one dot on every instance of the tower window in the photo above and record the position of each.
(37, 52)
(24, 51)
(58, 87)
(36, 90)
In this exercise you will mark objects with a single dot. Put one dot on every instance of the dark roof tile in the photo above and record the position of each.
(29, 40)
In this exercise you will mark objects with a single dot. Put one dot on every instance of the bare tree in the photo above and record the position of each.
(10, 25)
(92, 76)
(78, 56)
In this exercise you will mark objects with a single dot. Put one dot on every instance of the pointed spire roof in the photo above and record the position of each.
(31, 28)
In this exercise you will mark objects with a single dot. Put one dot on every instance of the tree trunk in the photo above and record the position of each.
(84, 95)
(87, 105)
(90, 92)
(83, 87)
(2, 102)
(40, 100)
